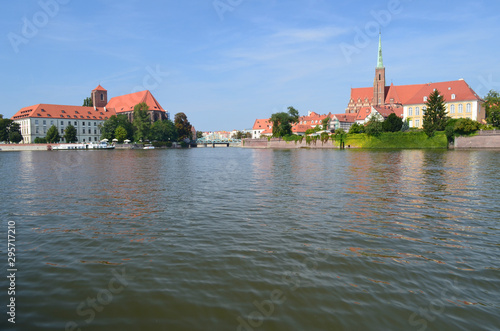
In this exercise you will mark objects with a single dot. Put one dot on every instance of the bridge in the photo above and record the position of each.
(206, 142)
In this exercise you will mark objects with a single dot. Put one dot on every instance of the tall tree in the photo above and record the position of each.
(282, 122)
(53, 135)
(492, 108)
(4, 128)
(374, 127)
(163, 131)
(108, 128)
(15, 133)
(435, 115)
(182, 126)
(87, 102)
(141, 122)
(70, 134)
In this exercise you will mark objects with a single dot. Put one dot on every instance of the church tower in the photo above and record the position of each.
(379, 82)
(99, 97)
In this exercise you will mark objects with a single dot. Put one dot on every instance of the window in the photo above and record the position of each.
(95, 131)
(417, 112)
(76, 123)
(89, 123)
(417, 123)
(44, 122)
(51, 122)
(36, 130)
(62, 131)
(460, 108)
(83, 131)
(83, 123)
(95, 123)
(410, 111)
(425, 99)
(62, 122)
(452, 109)
(468, 109)
(453, 97)
(36, 122)
(44, 129)
(102, 96)
(410, 123)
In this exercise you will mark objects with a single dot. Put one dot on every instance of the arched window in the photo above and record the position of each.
(102, 96)
(452, 109)
(417, 111)
(468, 109)
(460, 108)
(410, 111)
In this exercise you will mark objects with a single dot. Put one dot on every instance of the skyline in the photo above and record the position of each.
(226, 63)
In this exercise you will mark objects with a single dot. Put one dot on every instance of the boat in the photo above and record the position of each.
(148, 146)
(84, 146)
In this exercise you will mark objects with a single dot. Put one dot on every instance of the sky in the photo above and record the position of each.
(225, 63)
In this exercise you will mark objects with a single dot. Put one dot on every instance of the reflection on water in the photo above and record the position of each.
(255, 239)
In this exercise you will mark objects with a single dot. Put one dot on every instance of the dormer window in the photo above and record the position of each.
(453, 97)
(63, 111)
(425, 99)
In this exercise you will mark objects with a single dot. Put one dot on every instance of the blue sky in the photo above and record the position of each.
(227, 62)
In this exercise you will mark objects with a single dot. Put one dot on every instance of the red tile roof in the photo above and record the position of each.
(385, 111)
(459, 88)
(363, 113)
(127, 102)
(348, 118)
(99, 88)
(262, 124)
(63, 112)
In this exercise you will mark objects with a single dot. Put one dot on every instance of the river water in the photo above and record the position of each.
(243, 239)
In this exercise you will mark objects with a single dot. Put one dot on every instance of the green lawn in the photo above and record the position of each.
(398, 140)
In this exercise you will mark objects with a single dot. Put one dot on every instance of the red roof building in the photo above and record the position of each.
(37, 119)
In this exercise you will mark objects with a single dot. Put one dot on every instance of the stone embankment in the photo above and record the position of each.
(23, 147)
(484, 140)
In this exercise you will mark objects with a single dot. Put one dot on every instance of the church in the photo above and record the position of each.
(408, 101)
(37, 119)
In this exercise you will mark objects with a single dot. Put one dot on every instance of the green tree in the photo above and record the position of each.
(325, 122)
(374, 127)
(435, 118)
(182, 126)
(120, 133)
(163, 131)
(199, 135)
(141, 122)
(282, 122)
(70, 134)
(466, 126)
(53, 135)
(4, 128)
(492, 108)
(109, 127)
(87, 102)
(39, 140)
(357, 128)
(393, 123)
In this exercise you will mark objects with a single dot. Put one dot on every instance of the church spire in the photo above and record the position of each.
(380, 62)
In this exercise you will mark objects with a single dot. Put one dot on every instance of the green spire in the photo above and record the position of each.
(380, 63)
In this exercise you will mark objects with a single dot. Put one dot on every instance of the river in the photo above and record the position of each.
(244, 239)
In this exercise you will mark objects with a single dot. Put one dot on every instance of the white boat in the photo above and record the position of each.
(149, 146)
(84, 146)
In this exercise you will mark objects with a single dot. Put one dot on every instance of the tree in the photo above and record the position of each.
(374, 127)
(87, 102)
(163, 131)
(70, 134)
(199, 135)
(4, 128)
(325, 122)
(492, 108)
(282, 122)
(109, 127)
(357, 128)
(120, 133)
(15, 137)
(435, 115)
(53, 135)
(393, 123)
(183, 126)
(141, 122)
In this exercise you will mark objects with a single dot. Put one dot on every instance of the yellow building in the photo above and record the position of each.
(461, 102)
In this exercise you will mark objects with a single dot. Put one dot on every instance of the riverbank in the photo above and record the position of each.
(388, 140)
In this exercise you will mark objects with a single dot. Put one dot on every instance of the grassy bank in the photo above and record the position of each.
(398, 140)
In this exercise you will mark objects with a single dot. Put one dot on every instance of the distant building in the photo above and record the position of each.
(37, 119)
(260, 126)
(409, 100)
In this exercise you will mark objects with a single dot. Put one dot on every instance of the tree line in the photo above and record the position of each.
(10, 131)
(143, 129)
